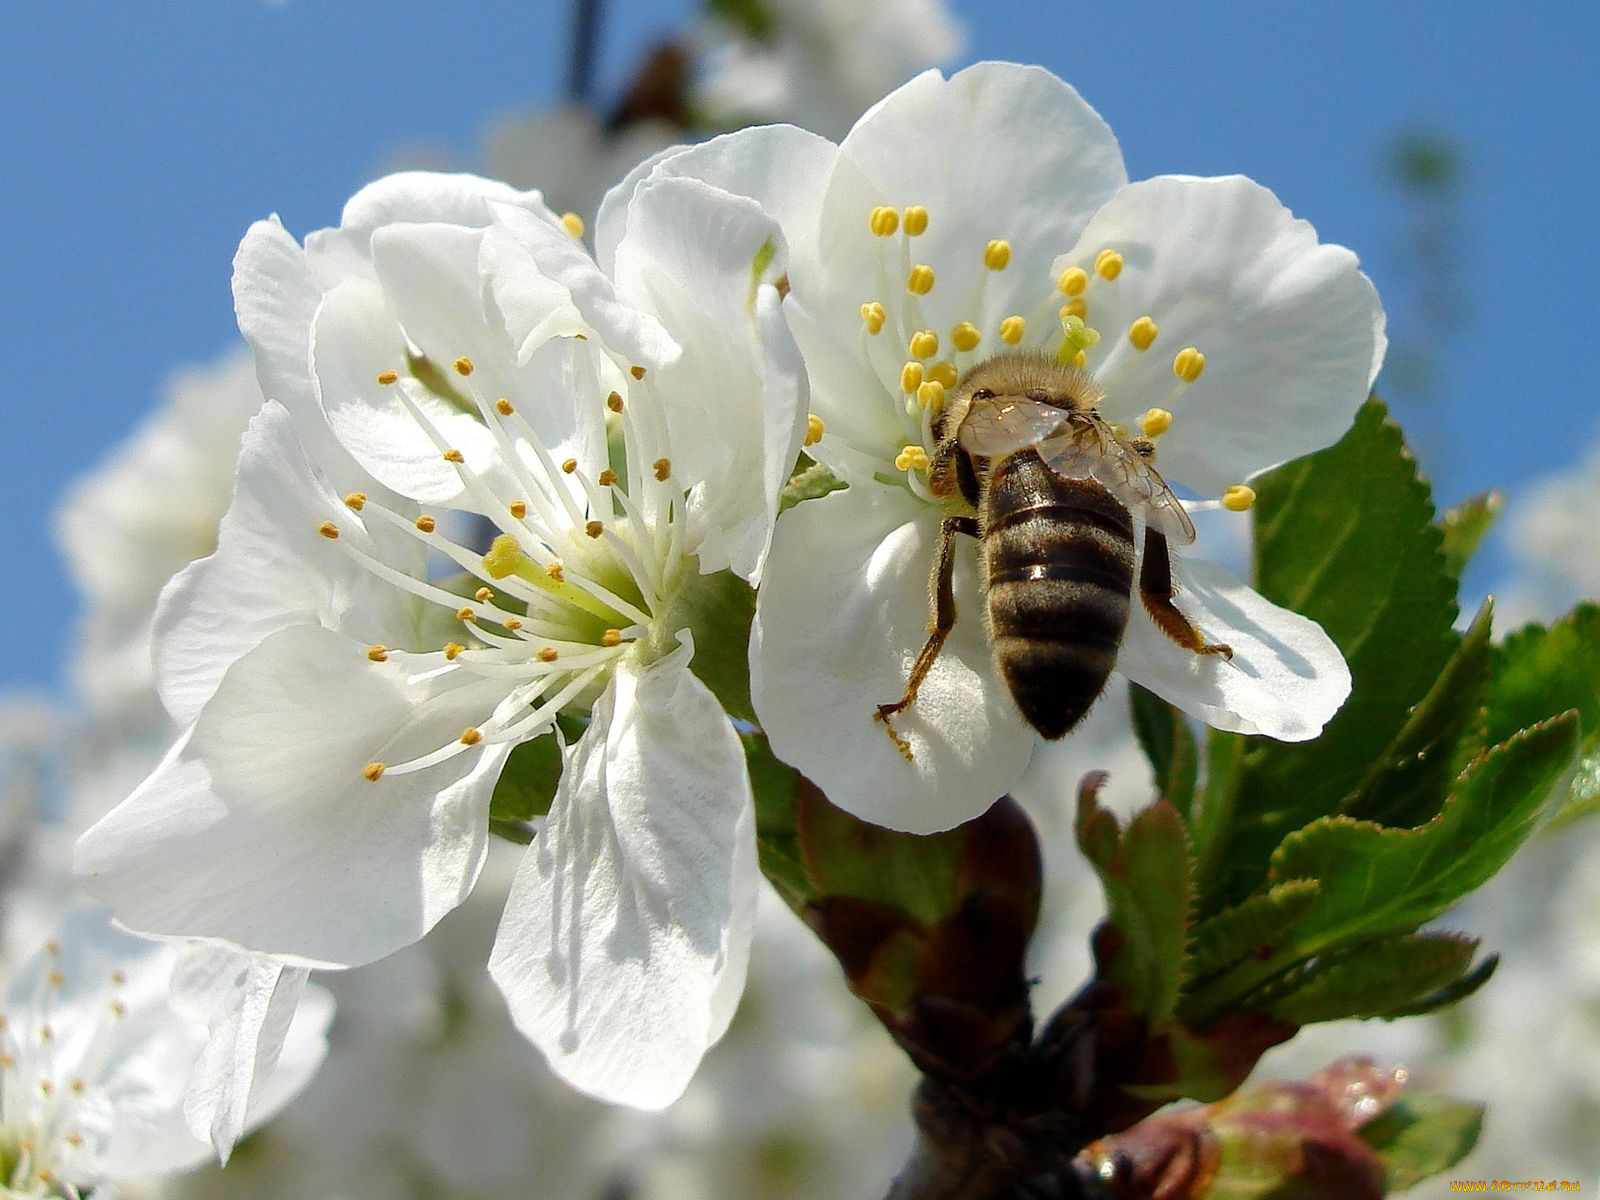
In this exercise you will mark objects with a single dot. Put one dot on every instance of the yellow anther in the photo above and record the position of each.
(426, 523)
(920, 281)
(1012, 330)
(614, 402)
(1155, 422)
(594, 528)
(924, 344)
(911, 458)
(56, 978)
(1073, 281)
(1188, 363)
(911, 378)
(931, 395)
(8, 1061)
(47, 1088)
(374, 771)
(873, 315)
(1075, 308)
(556, 571)
(944, 373)
(569, 466)
(572, 223)
(451, 649)
(636, 372)
(916, 221)
(355, 500)
(607, 477)
(470, 736)
(513, 624)
(1238, 498)
(465, 613)
(378, 653)
(463, 365)
(611, 637)
(518, 509)
(119, 978)
(1080, 359)
(965, 336)
(504, 407)
(483, 595)
(504, 557)
(663, 469)
(328, 529)
(548, 654)
(1108, 264)
(118, 1009)
(387, 377)
(883, 221)
(997, 255)
(814, 429)
(1142, 333)
(454, 456)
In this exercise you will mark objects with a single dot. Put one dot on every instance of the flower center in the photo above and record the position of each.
(897, 341)
(45, 1101)
(581, 557)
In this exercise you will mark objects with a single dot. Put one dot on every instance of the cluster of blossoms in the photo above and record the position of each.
(497, 478)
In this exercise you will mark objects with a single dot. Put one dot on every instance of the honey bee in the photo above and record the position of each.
(1051, 489)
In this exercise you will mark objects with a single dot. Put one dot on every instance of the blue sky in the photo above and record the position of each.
(138, 141)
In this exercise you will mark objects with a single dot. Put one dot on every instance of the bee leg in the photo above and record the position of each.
(1156, 590)
(941, 620)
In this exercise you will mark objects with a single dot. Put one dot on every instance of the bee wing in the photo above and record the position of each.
(996, 426)
(1093, 450)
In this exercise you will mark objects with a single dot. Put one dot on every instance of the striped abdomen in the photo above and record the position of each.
(1058, 560)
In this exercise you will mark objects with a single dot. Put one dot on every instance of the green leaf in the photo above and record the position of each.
(718, 610)
(1410, 779)
(1378, 881)
(1539, 672)
(808, 483)
(1252, 929)
(1168, 742)
(1420, 1135)
(1464, 527)
(1345, 537)
(1145, 872)
(527, 784)
(1380, 979)
(1451, 993)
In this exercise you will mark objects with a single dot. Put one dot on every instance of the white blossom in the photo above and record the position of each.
(988, 214)
(450, 359)
(94, 1065)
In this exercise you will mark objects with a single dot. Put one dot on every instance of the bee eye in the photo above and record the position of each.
(983, 394)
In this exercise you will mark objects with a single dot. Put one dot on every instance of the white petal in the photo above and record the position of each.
(430, 196)
(1291, 329)
(247, 1003)
(554, 255)
(218, 608)
(259, 828)
(624, 943)
(357, 337)
(735, 402)
(840, 617)
(783, 168)
(1286, 679)
(275, 295)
